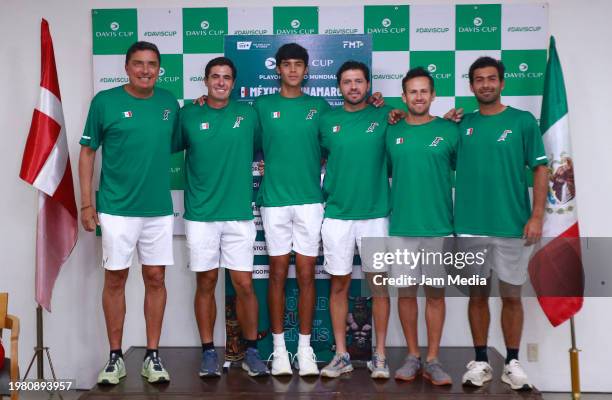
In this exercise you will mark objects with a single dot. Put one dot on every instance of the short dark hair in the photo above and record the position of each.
(140, 46)
(220, 61)
(352, 64)
(290, 51)
(485, 61)
(417, 72)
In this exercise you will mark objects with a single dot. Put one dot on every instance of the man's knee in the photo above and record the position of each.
(154, 277)
(115, 280)
(243, 287)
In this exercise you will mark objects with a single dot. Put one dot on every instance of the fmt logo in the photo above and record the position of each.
(114, 26)
(372, 127)
(322, 63)
(295, 23)
(477, 21)
(204, 25)
(243, 45)
(504, 135)
(432, 68)
(436, 141)
(237, 123)
(166, 115)
(270, 63)
(349, 44)
(386, 22)
(311, 113)
(523, 67)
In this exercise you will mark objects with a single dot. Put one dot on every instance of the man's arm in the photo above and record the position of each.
(533, 228)
(89, 217)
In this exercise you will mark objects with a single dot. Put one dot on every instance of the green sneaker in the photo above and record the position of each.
(113, 371)
(153, 369)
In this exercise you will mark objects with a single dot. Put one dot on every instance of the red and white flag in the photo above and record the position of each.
(46, 166)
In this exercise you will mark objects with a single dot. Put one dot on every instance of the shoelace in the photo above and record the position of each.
(310, 353)
(110, 367)
(272, 355)
(379, 362)
(157, 365)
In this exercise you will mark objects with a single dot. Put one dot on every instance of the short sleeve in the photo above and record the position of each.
(533, 145)
(454, 141)
(178, 135)
(257, 140)
(93, 133)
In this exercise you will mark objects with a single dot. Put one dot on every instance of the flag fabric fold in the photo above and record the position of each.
(46, 166)
(556, 268)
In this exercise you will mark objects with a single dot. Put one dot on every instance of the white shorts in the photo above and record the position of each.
(228, 244)
(424, 259)
(296, 228)
(508, 257)
(151, 236)
(340, 237)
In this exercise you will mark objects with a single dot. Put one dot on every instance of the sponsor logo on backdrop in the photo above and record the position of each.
(387, 76)
(435, 29)
(250, 32)
(160, 33)
(432, 68)
(114, 32)
(387, 27)
(340, 31)
(524, 28)
(321, 63)
(295, 24)
(162, 71)
(323, 91)
(114, 79)
(350, 44)
(114, 26)
(196, 79)
(167, 79)
(523, 67)
(243, 45)
(479, 25)
(206, 31)
(524, 73)
(270, 63)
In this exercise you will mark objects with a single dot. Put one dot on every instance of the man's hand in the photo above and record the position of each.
(201, 100)
(376, 100)
(454, 114)
(395, 116)
(260, 167)
(89, 218)
(532, 231)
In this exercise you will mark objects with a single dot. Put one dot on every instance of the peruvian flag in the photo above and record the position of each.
(556, 268)
(46, 166)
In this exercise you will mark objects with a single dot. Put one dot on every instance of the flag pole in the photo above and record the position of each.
(39, 343)
(574, 367)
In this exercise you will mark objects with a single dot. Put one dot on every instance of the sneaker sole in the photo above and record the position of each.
(253, 374)
(282, 373)
(524, 388)
(309, 373)
(106, 382)
(407, 378)
(336, 374)
(209, 374)
(469, 383)
(158, 380)
(437, 383)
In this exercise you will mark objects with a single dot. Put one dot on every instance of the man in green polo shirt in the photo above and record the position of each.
(492, 211)
(219, 138)
(357, 204)
(134, 124)
(422, 151)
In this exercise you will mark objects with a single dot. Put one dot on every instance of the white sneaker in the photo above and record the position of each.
(306, 361)
(478, 373)
(515, 376)
(280, 362)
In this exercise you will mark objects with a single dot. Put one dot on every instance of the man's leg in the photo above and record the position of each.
(246, 303)
(435, 312)
(305, 273)
(279, 266)
(338, 308)
(113, 304)
(479, 371)
(154, 302)
(408, 311)
(205, 304)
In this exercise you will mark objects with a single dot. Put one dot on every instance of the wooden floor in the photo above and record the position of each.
(183, 364)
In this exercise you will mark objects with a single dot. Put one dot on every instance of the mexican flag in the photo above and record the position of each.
(556, 269)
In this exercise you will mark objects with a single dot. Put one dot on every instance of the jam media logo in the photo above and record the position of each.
(114, 26)
(432, 68)
(504, 135)
(270, 63)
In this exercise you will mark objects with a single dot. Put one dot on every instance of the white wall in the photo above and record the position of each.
(75, 330)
